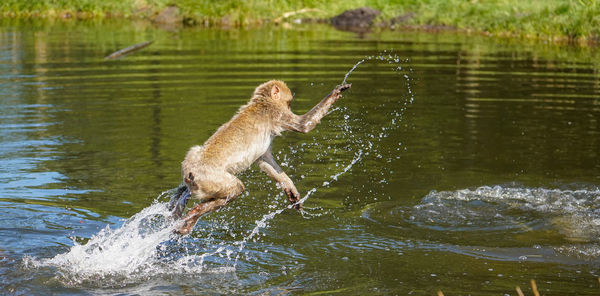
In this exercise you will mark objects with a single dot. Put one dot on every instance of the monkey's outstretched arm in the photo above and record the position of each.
(307, 122)
(268, 165)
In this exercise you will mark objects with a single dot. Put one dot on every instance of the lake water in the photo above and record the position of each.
(456, 162)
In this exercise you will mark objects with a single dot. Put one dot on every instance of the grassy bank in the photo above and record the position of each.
(550, 19)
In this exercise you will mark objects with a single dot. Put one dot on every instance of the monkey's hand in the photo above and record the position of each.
(337, 92)
(343, 87)
(293, 196)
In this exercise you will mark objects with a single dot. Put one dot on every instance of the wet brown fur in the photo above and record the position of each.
(209, 170)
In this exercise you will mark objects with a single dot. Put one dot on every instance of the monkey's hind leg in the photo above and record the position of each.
(219, 199)
(194, 214)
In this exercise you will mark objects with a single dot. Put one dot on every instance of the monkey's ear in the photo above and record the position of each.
(275, 92)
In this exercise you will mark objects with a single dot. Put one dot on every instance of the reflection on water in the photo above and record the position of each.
(87, 144)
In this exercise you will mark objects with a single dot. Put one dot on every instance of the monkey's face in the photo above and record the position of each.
(287, 96)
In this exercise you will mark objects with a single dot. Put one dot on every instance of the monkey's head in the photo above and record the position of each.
(276, 90)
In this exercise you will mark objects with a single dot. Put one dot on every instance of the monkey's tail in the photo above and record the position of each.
(179, 200)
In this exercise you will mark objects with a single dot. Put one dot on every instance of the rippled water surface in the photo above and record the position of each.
(457, 163)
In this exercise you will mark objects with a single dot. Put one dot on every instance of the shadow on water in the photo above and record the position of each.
(85, 145)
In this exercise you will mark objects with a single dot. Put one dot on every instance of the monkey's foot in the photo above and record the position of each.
(185, 228)
(194, 214)
(181, 231)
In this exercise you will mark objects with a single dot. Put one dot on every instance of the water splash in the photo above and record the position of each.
(357, 157)
(124, 250)
(354, 67)
(574, 214)
(390, 58)
(133, 251)
(367, 132)
(502, 222)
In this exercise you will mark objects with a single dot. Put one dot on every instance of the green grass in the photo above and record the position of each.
(550, 19)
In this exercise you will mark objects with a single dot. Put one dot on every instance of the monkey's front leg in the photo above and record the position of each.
(307, 122)
(268, 165)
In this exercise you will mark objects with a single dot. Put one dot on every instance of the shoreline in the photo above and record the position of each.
(554, 21)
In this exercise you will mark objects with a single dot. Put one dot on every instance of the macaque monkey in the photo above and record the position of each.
(209, 170)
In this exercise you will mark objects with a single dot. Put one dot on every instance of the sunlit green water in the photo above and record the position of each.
(455, 163)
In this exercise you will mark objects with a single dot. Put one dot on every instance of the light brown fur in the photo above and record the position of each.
(209, 170)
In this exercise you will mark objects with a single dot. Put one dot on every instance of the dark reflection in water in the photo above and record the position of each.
(455, 162)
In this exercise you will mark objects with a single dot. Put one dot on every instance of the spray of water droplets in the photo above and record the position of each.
(368, 138)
